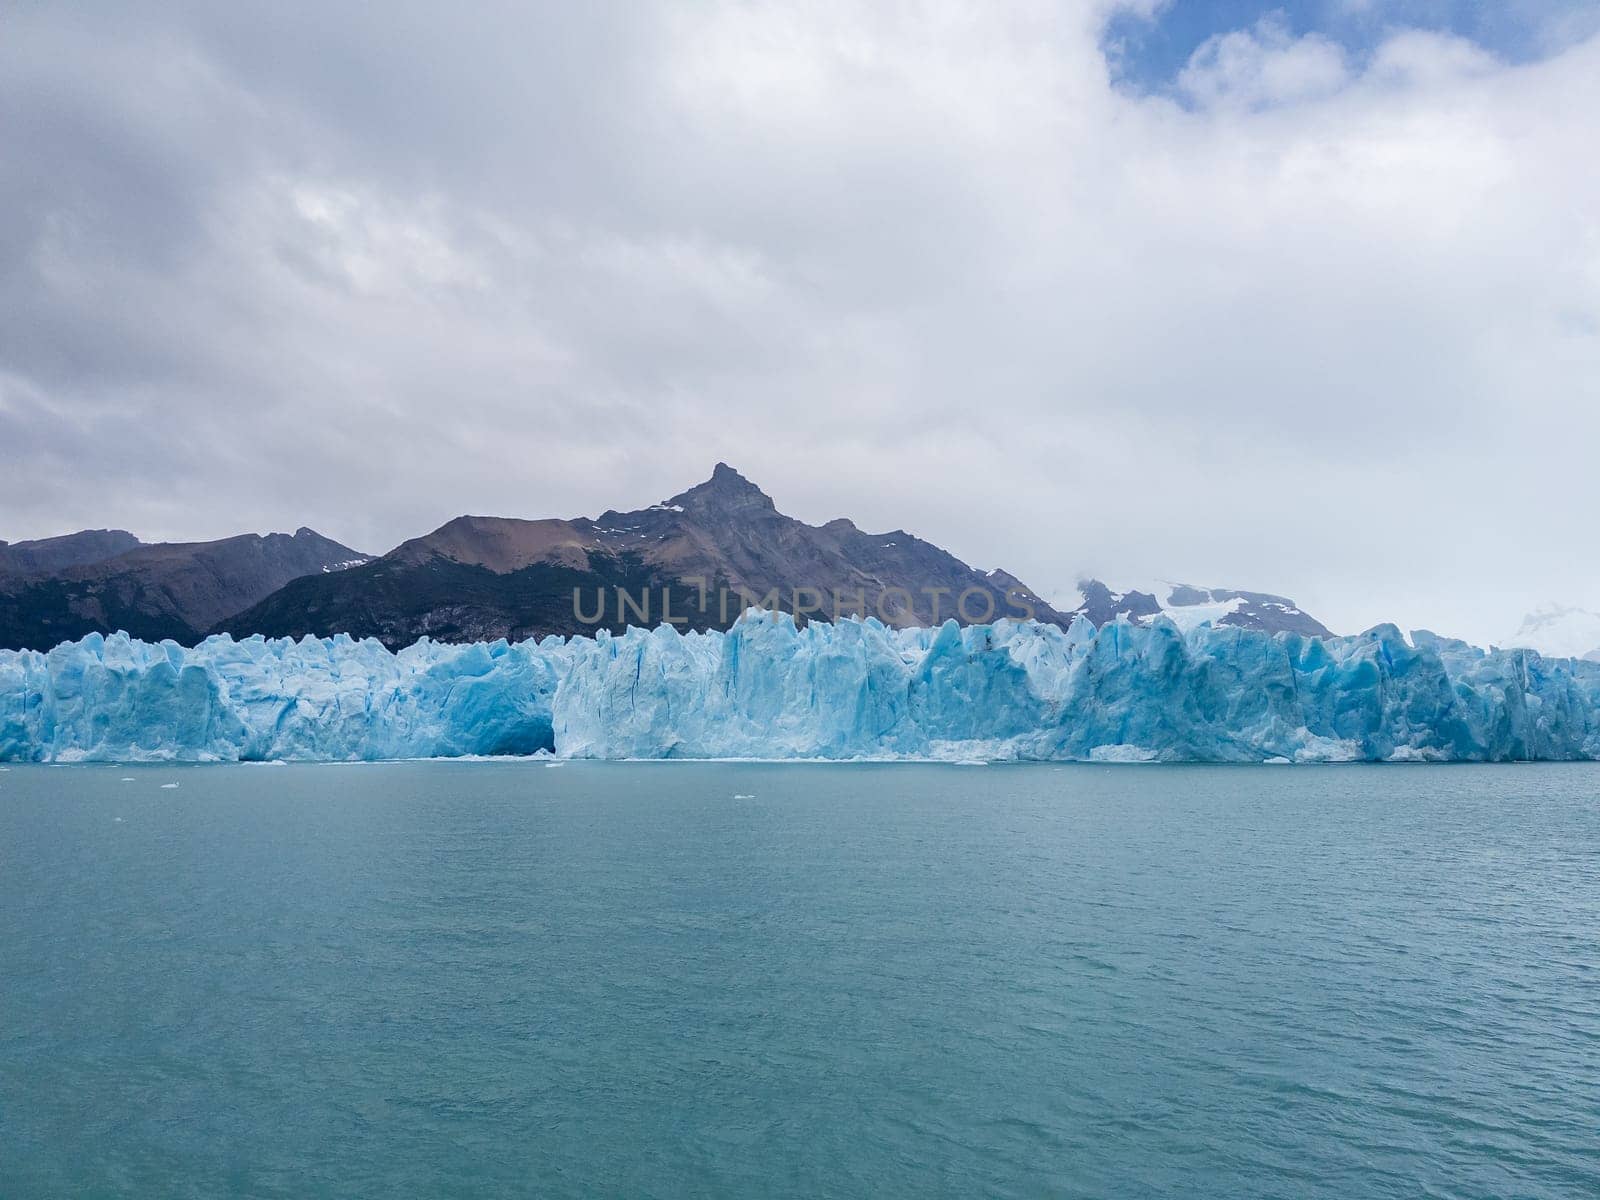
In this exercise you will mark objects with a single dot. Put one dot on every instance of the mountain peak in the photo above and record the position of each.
(66, 551)
(725, 491)
(1560, 631)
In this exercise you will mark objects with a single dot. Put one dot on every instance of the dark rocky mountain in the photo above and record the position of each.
(1101, 604)
(696, 560)
(172, 590)
(1252, 610)
(1186, 604)
(59, 553)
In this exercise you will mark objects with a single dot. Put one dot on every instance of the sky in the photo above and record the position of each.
(1300, 298)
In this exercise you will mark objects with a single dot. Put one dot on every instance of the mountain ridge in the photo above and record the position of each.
(1187, 606)
(158, 590)
(52, 554)
(695, 559)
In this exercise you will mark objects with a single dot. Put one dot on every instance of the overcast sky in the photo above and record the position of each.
(1306, 301)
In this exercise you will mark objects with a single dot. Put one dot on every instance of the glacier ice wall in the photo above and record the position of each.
(767, 689)
(117, 699)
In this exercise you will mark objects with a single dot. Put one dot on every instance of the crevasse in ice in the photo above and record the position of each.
(766, 689)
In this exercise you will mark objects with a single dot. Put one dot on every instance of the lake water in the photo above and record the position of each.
(483, 979)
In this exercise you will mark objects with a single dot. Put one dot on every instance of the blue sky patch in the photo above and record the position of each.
(1147, 54)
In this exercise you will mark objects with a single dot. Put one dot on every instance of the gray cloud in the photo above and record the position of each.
(1337, 336)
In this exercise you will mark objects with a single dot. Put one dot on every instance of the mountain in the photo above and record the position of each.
(1188, 606)
(1557, 631)
(62, 588)
(59, 553)
(695, 560)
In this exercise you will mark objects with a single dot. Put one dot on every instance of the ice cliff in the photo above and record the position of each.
(769, 690)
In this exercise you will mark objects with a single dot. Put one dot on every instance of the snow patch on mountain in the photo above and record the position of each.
(1187, 606)
(1211, 612)
(1560, 631)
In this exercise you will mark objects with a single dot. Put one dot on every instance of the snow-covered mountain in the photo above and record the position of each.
(1188, 606)
(1559, 631)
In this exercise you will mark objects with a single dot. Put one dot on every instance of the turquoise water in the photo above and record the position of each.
(486, 979)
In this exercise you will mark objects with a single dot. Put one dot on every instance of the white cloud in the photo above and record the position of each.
(1325, 331)
(1265, 65)
(1420, 58)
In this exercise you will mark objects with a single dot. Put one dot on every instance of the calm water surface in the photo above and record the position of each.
(488, 979)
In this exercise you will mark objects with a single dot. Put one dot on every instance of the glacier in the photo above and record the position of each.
(771, 690)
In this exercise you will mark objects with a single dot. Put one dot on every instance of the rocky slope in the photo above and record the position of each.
(1188, 606)
(48, 555)
(695, 560)
(172, 590)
